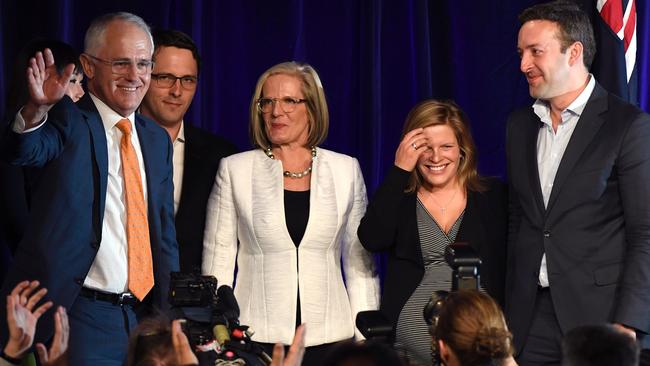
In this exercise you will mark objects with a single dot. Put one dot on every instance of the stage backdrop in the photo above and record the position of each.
(376, 60)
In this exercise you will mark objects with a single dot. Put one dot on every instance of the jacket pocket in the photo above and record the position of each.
(607, 275)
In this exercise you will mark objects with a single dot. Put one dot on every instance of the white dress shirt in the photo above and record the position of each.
(109, 271)
(551, 146)
(179, 165)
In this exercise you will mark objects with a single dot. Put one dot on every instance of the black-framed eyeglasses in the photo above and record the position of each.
(123, 66)
(169, 80)
(287, 104)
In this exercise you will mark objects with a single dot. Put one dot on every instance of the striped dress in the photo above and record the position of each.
(412, 334)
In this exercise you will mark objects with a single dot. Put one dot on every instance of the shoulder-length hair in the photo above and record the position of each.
(313, 93)
(443, 112)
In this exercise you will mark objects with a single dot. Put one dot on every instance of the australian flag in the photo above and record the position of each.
(615, 29)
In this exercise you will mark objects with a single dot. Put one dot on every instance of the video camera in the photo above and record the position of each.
(465, 265)
(212, 321)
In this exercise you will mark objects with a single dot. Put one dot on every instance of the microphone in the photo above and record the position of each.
(227, 304)
(220, 330)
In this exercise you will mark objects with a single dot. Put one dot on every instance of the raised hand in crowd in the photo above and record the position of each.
(182, 348)
(296, 351)
(56, 355)
(45, 85)
(23, 312)
(22, 316)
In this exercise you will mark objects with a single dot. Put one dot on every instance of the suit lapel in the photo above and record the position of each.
(99, 146)
(410, 247)
(148, 148)
(191, 163)
(323, 208)
(587, 127)
(530, 150)
(470, 230)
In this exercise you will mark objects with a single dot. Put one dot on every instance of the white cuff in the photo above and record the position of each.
(19, 123)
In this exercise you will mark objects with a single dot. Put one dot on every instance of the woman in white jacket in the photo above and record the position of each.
(287, 213)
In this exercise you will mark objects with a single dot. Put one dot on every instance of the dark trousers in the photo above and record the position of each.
(543, 345)
(99, 332)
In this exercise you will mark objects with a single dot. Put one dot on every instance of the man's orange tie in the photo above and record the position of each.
(137, 226)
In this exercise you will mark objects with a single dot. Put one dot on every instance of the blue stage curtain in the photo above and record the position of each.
(376, 59)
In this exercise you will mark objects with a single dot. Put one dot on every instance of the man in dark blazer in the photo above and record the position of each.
(196, 152)
(579, 174)
(80, 238)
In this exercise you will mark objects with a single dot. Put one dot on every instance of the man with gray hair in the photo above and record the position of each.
(101, 235)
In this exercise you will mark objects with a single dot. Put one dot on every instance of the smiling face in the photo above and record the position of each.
(546, 67)
(168, 106)
(438, 164)
(124, 92)
(284, 128)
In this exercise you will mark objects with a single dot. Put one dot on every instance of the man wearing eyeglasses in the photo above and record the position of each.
(196, 152)
(101, 233)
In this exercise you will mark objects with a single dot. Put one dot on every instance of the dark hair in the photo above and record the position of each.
(473, 326)
(175, 38)
(150, 343)
(368, 353)
(599, 345)
(63, 53)
(574, 25)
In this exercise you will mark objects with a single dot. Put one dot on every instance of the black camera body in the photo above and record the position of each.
(212, 326)
(192, 289)
(465, 265)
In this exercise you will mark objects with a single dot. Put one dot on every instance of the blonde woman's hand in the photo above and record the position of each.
(410, 148)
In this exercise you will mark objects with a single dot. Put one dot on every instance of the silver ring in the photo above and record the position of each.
(414, 146)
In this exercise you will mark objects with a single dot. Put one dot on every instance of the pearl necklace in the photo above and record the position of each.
(296, 175)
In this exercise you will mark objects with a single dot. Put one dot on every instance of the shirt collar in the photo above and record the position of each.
(109, 117)
(543, 111)
(181, 133)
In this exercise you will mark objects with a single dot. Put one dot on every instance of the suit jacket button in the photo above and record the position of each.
(547, 234)
(79, 281)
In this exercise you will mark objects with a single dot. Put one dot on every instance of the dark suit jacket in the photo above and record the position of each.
(65, 222)
(203, 152)
(390, 225)
(596, 229)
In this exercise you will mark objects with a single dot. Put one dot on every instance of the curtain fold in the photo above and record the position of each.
(376, 58)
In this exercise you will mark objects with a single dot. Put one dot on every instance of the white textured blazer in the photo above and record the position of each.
(247, 204)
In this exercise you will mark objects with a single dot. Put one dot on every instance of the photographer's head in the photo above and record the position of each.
(151, 343)
(599, 345)
(158, 342)
(368, 353)
(471, 330)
